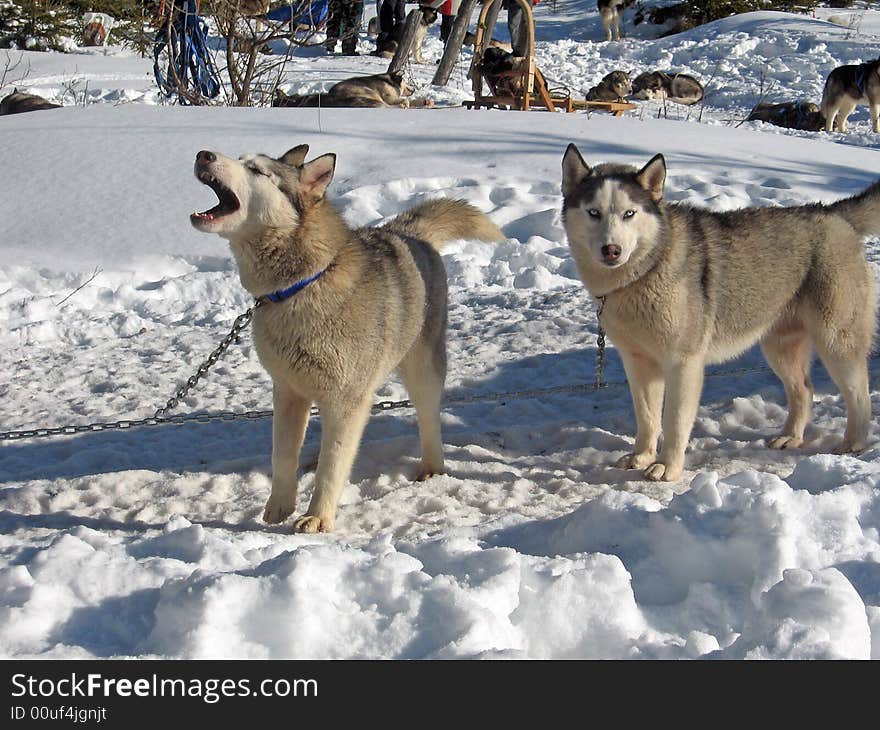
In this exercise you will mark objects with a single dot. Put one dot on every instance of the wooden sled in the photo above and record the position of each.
(522, 88)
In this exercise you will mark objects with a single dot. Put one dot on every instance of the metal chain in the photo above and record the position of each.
(243, 320)
(379, 407)
(240, 323)
(600, 346)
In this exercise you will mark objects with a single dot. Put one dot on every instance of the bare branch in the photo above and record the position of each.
(97, 271)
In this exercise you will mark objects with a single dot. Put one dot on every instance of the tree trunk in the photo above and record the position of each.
(404, 49)
(454, 42)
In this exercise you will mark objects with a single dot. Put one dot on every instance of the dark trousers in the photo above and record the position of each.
(446, 23)
(342, 19)
(392, 16)
(517, 27)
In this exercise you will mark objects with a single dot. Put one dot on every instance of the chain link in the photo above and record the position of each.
(600, 346)
(238, 326)
(381, 406)
(241, 322)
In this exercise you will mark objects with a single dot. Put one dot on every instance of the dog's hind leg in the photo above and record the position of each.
(829, 113)
(850, 373)
(685, 384)
(846, 108)
(646, 388)
(423, 371)
(342, 425)
(789, 355)
(875, 117)
(289, 421)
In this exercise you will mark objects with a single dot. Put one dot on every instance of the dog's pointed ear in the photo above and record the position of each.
(652, 177)
(315, 176)
(295, 156)
(574, 169)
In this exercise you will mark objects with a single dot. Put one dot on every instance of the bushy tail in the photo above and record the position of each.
(442, 220)
(862, 211)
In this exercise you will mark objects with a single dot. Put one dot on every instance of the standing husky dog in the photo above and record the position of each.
(609, 12)
(370, 301)
(847, 86)
(684, 287)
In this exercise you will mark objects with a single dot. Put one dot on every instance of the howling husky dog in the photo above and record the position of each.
(847, 86)
(369, 301)
(684, 287)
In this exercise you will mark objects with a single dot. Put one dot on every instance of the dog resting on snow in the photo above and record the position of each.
(660, 85)
(339, 309)
(684, 287)
(373, 91)
(614, 86)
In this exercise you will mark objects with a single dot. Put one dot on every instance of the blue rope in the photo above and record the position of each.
(184, 35)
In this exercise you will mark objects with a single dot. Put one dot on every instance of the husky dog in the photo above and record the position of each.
(659, 85)
(683, 287)
(388, 49)
(369, 301)
(495, 60)
(377, 90)
(847, 86)
(470, 38)
(18, 102)
(790, 114)
(610, 12)
(429, 15)
(615, 85)
(495, 64)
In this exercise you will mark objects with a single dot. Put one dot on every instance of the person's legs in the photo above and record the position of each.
(334, 21)
(446, 23)
(516, 26)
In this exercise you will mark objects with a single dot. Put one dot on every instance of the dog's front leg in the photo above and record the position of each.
(289, 421)
(342, 426)
(684, 382)
(646, 388)
(875, 117)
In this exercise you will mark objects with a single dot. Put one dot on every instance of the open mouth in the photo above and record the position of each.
(228, 202)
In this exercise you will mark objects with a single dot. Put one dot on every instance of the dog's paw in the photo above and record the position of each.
(426, 472)
(634, 461)
(660, 472)
(785, 442)
(279, 508)
(312, 524)
(847, 447)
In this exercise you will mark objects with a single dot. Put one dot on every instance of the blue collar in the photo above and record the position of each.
(282, 294)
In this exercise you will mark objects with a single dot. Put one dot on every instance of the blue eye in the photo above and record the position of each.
(593, 213)
(629, 214)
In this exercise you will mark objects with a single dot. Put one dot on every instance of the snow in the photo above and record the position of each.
(149, 543)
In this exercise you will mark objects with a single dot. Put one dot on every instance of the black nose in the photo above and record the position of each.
(204, 157)
(611, 252)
